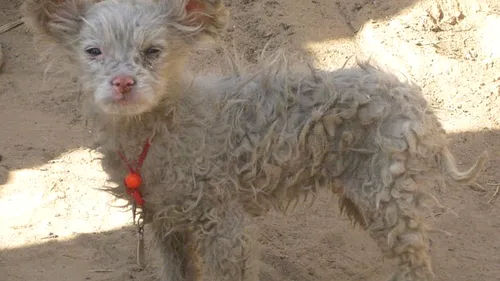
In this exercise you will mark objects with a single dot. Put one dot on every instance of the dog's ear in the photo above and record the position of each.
(55, 21)
(199, 17)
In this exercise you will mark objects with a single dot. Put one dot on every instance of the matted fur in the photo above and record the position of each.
(229, 148)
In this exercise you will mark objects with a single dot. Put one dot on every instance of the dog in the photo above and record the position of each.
(213, 152)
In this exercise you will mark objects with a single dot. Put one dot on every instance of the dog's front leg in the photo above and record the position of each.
(229, 250)
(179, 256)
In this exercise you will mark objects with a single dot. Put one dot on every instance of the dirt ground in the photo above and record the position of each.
(56, 225)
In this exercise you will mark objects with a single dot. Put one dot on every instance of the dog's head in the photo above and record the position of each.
(126, 51)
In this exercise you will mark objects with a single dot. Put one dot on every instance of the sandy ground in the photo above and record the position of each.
(55, 224)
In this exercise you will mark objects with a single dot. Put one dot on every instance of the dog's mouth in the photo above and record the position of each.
(132, 103)
(123, 100)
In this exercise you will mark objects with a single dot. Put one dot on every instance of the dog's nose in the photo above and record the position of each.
(123, 83)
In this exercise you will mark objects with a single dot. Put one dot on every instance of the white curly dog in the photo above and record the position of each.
(212, 152)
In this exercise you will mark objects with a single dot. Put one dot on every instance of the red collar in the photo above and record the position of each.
(133, 179)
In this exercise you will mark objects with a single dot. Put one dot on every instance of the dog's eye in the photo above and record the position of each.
(93, 52)
(152, 52)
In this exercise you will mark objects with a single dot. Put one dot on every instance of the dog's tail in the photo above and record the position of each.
(450, 166)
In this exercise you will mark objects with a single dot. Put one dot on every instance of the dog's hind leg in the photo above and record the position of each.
(229, 250)
(394, 216)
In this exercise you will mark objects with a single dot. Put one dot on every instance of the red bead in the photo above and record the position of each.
(133, 180)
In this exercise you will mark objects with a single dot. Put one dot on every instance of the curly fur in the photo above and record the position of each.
(229, 148)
